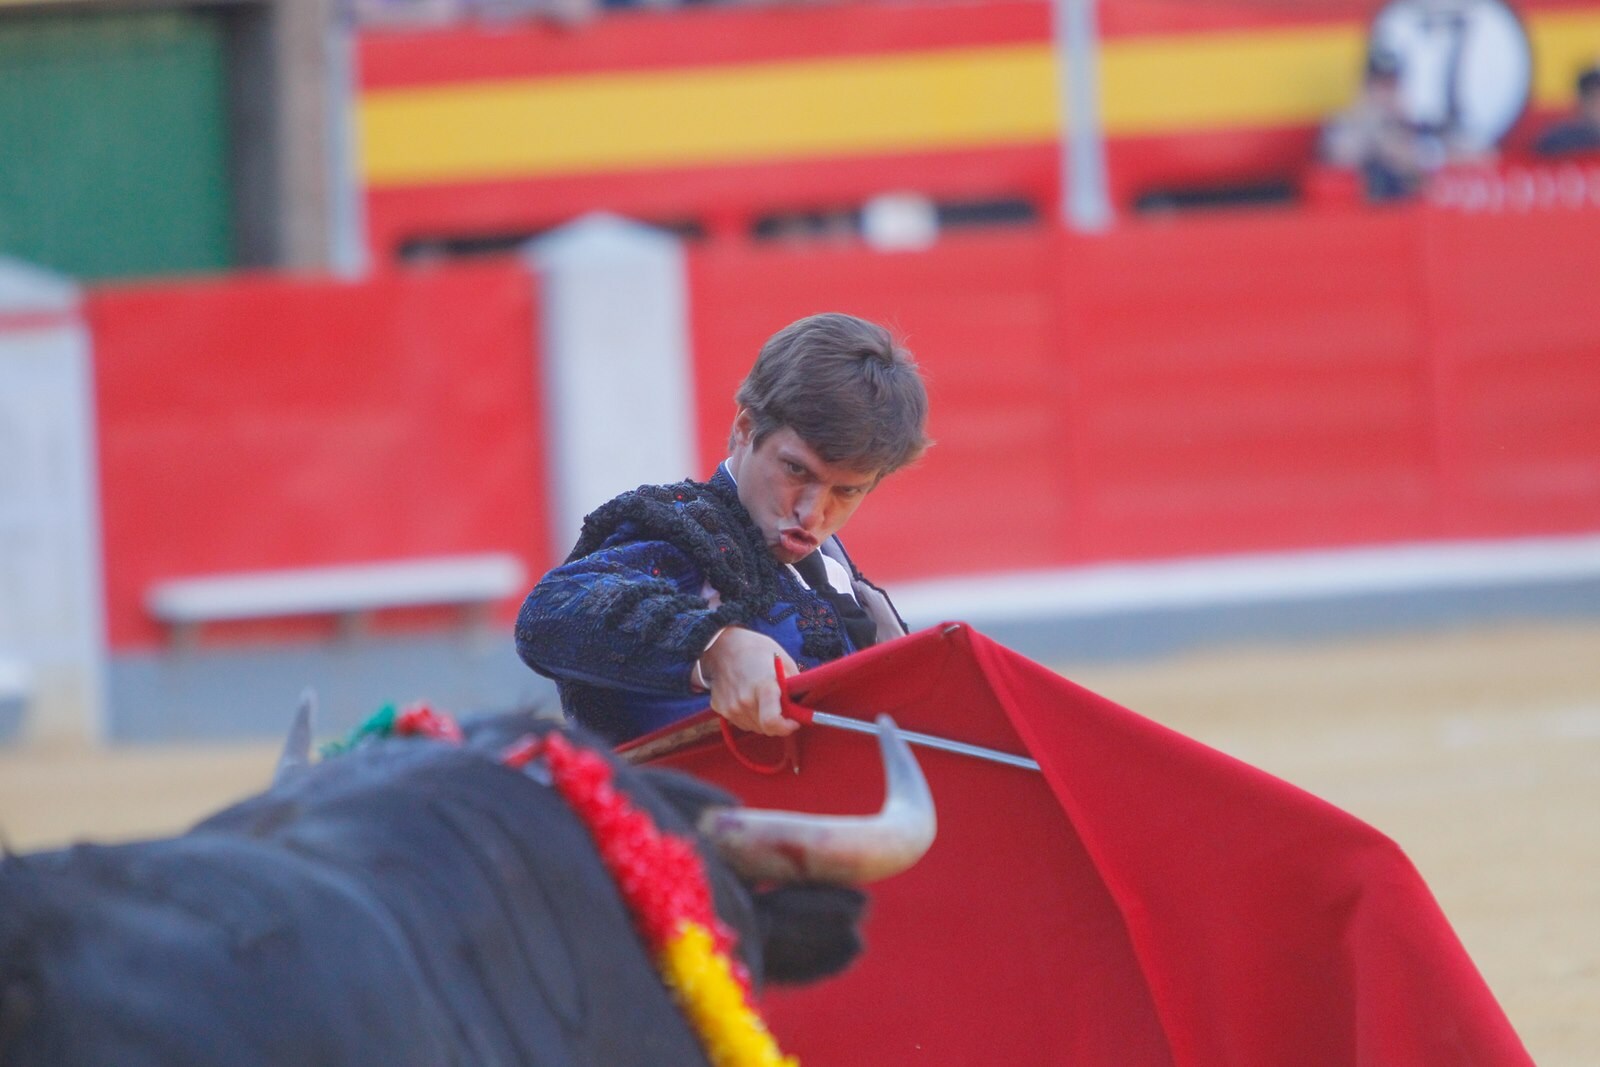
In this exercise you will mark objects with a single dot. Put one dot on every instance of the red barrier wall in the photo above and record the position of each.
(1250, 382)
(261, 423)
(1257, 381)
(1518, 368)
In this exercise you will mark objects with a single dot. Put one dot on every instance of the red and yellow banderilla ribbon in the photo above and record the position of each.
(663, 883)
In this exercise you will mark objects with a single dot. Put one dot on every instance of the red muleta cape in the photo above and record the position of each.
(1146, 900)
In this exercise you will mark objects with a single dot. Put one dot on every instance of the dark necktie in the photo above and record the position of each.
(857, 623)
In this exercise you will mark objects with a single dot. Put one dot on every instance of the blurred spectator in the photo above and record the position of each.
(1374, 136)
(900, 222)
(1581, 132)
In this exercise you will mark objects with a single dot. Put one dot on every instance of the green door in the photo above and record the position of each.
(114, 142)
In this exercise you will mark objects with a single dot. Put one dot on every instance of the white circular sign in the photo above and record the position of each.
(1466, 67)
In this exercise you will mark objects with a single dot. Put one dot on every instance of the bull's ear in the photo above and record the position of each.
(809, 931)
(296, 755)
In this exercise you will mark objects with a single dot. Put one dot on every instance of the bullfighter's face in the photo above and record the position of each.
(796, 498)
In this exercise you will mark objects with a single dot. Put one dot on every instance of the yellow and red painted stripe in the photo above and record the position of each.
(739, 111)
(746, 97)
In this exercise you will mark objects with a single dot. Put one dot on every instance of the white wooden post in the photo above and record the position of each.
(619, 402)
(51, 596)
(1085, 200)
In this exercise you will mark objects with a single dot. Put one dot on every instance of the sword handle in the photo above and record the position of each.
(791, 710)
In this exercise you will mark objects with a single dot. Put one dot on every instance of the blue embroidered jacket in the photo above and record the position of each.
(620, 624)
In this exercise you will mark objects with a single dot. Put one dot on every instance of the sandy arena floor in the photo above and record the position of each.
(1479, 752)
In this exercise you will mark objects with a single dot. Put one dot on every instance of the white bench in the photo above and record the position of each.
(348, 592)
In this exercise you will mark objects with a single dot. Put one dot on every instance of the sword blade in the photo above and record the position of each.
(943, 744)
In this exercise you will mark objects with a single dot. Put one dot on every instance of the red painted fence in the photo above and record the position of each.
(1250, 382)
(264, 423)
(1246, 382)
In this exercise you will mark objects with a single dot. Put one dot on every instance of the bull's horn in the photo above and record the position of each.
(296, 755)
(786, 846)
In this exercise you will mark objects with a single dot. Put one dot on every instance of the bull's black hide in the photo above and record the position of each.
(408, 903)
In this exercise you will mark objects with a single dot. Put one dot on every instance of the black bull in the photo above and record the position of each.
(407, 903)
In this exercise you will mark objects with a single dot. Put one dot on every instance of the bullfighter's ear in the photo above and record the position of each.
(809, 931)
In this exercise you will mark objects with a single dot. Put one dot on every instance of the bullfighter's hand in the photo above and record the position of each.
(744, 687)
